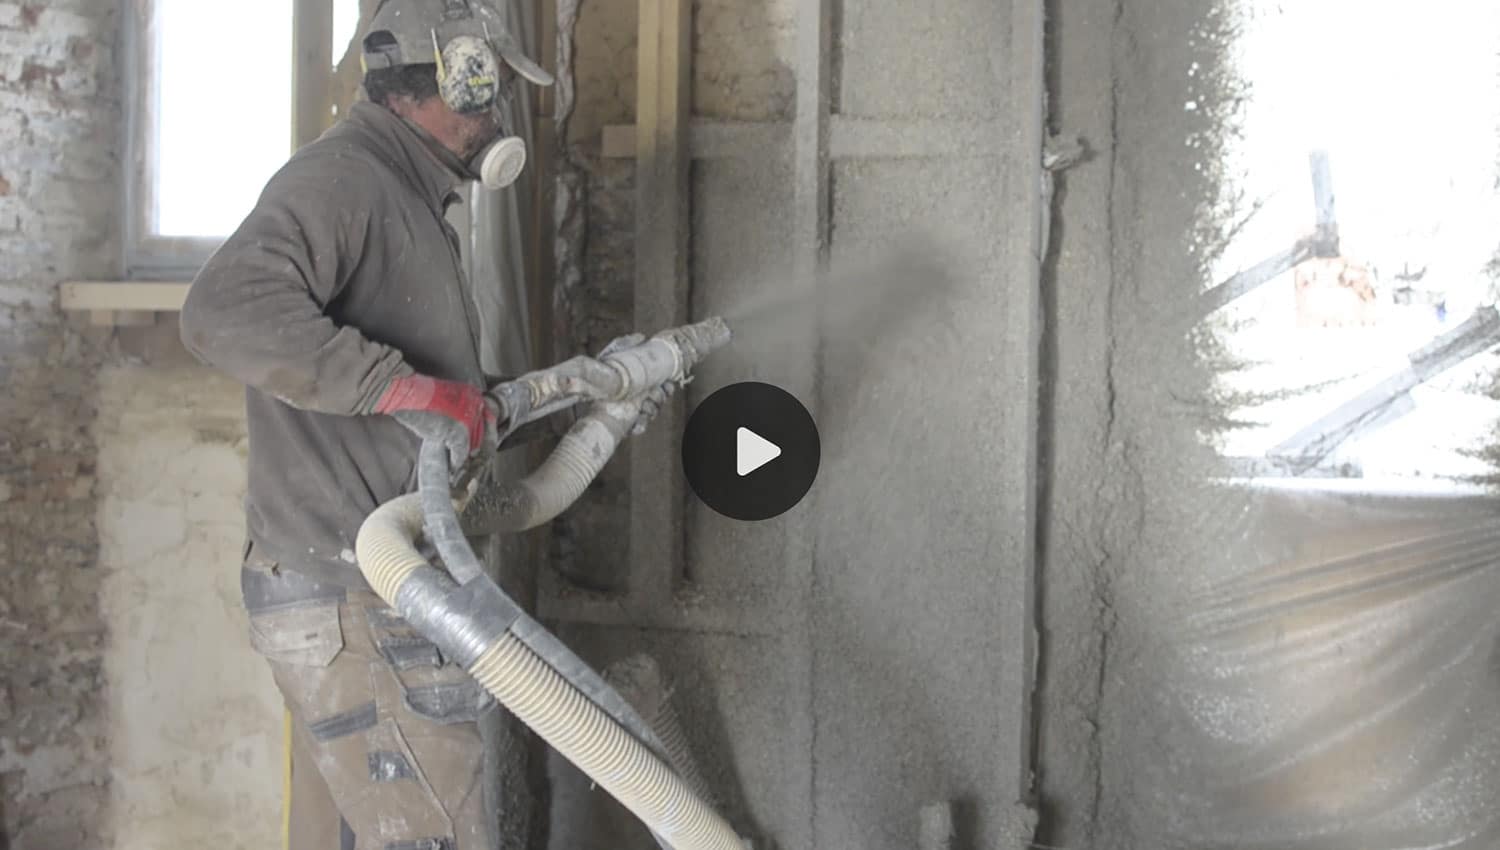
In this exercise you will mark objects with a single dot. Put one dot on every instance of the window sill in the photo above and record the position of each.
(123, 303)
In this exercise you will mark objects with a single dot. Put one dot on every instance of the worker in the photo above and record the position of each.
(341, 303)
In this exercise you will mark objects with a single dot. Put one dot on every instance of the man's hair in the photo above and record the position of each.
(418, 82)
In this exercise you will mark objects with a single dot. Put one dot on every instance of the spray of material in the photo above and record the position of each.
(887, 305)
(862, 298)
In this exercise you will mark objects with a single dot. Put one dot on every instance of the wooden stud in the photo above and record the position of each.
(312, 69)
(540, 290)
(348, 75)
(657, 498)
(618, 141)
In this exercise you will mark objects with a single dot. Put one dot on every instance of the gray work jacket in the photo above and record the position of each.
(344, 275)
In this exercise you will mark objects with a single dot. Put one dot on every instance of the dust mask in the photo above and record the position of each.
(499, 163)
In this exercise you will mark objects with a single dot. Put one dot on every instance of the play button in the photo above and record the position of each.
(751, 451)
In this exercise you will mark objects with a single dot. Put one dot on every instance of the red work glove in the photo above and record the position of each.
(432, 407)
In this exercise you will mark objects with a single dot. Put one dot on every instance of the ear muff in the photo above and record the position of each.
(468, 73)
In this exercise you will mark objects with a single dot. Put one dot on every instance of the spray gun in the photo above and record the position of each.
(620, 376)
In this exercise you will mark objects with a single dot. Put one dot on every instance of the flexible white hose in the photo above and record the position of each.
(545, 701)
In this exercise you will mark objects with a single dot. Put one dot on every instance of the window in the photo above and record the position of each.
(211, 104)
(1366, 155)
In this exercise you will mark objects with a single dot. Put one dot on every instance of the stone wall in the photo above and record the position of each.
(59, 119)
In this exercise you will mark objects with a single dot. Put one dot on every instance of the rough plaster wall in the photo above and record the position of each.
(194, 720)
(59, 112)
(1131, 528)
(742, 59)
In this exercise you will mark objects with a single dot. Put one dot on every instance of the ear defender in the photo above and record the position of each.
(468, 73)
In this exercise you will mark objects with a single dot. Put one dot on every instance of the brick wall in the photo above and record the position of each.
(59, 128)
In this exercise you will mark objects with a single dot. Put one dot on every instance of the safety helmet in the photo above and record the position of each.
(468, 40)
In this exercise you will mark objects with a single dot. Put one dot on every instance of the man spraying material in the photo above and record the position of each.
(342, 305)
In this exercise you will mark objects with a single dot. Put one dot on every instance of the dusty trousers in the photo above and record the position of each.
(389, 724)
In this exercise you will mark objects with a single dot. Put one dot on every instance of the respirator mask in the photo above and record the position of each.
(477, 63)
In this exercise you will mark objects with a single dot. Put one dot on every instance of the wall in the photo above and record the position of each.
(866, 654)
(59, 114)
(193, 718)
(132, 714)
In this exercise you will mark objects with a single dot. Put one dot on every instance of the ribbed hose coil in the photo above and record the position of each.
(384, 549)
(606, 753)
(542, 699)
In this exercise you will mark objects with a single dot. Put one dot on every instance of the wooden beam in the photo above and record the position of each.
(1387, 400)
(312, 69)
(657, 498)
(90, 296)
(619, 141)
(1327, 235)
(541, 286)
(347, 75)
(847, 138)
(1258, 275)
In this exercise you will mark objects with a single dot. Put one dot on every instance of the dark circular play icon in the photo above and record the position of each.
(751, 451)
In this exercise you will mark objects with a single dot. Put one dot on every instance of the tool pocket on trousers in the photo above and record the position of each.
(307, 634)
(431, 685)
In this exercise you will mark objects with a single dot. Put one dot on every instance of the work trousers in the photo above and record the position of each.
(386, 745)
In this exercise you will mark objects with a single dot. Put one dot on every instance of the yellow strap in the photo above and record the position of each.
(286, 779)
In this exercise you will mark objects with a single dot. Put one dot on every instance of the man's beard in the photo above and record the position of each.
(478, 133)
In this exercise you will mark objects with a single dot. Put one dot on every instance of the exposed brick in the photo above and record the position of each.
(59, 123)
(33, 73)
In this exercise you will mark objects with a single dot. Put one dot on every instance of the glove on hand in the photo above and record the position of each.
(452, 412)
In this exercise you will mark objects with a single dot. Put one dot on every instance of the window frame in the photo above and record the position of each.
(148, 255)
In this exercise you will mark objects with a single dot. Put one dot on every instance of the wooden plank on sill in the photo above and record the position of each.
(89, 296)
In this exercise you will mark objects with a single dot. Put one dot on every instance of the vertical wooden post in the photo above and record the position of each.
(540, 295)
(312, 69)
(657, 497)
(1327, 239)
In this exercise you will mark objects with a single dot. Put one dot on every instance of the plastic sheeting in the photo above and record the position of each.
(1344, 694)
(501, 228)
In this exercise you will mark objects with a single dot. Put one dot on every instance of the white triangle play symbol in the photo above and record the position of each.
(752, 451)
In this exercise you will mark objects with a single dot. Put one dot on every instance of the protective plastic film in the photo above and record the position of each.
(1344, 693)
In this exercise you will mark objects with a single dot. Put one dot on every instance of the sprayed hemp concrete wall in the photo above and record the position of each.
(864, 657)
